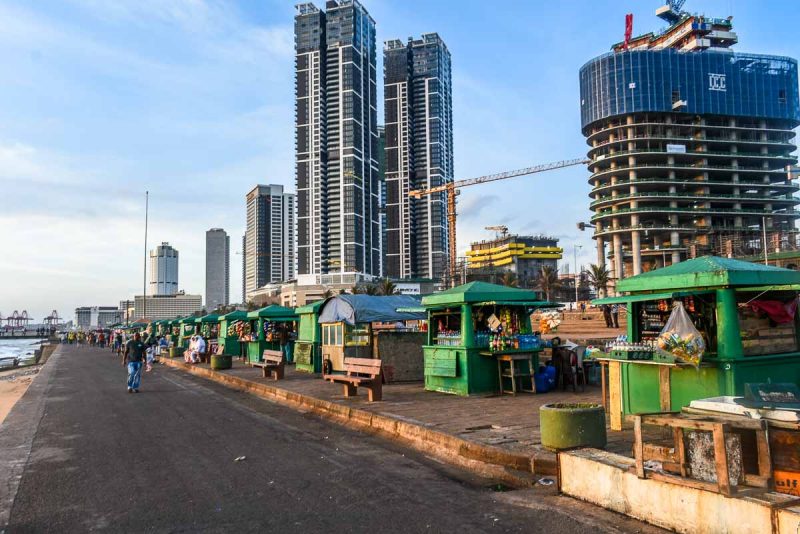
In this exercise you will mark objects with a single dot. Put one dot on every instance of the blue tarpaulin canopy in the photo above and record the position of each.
(354, 309)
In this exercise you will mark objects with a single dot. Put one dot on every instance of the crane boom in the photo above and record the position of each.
(419, 193)
(453, 187)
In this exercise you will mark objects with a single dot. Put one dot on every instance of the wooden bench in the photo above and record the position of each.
(361, 372)
(273, 364)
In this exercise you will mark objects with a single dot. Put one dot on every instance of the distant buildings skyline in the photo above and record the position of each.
(218, 250)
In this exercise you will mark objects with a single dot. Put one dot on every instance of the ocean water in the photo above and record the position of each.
(18, 348)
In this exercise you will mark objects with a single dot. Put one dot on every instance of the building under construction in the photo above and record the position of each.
(524, 256)
(691, 146)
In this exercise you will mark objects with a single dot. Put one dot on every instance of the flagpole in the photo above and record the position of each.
(144, 274)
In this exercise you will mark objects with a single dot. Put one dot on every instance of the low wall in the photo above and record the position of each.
(603, 479)
(401, 355)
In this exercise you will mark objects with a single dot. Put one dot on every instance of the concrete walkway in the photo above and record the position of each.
(90, 456)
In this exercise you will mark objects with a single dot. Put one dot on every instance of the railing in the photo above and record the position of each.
(613, 126)
(696, 196)
(732, 155)
(698, 139)
(686, 168)
(608, 213)
(748, 183)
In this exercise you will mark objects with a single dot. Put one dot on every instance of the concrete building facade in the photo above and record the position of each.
(419, 155)
(88, 317)
(336, 140)
(523, 256)
(269, 244)
(166, 306)
(163, 270)
(218, 252)
(689, 146)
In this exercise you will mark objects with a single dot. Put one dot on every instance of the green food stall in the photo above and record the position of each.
(188, 327)
(228, 336)
(174, 331)
(745, 313)
(308, 348)
(475, 332)
(264, 324)
(208, 327)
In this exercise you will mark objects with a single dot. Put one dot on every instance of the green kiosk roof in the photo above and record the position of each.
(237, 315)
(187, 320)
(309, 308)
(274, 313)
(486, 293)
(210, 318)
(709, 272)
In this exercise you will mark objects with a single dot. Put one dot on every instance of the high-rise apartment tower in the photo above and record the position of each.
(163, 270)
(336, 130)
(269, 239)
(218, 251)
(690, 145)
(419, 155)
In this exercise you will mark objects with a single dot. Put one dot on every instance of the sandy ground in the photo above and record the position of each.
(13, 385)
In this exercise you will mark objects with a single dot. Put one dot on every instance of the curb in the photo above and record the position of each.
(516, 470)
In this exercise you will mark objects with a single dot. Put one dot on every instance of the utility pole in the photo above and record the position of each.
(144, 274)
(575, 248)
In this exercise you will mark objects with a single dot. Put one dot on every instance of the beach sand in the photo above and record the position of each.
(13, 385)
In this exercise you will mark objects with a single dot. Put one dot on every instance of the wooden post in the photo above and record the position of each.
(680, 450)
(664, 388)
(721, 459)
(615, 395)
(638, 446)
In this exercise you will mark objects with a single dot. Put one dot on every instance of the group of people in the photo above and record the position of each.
(611, 315)
(197, 348)
(99, 339)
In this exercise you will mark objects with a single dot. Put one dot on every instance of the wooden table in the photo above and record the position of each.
(514, 358)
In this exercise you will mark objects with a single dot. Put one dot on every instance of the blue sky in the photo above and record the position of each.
(192, 100)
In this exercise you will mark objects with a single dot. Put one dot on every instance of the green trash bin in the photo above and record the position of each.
(221, 361)
(568, 425)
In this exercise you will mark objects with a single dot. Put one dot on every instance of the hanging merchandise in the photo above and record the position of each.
(680, 338)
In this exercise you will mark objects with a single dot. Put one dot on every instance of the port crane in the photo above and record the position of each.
(452, 190)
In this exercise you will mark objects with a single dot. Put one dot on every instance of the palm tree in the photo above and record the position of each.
(387, 287)
(599, 277)
(509, 279)
(371, 289)
(328, 293)
(548, 281)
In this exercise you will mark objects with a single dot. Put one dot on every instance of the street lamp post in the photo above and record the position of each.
(575, 248)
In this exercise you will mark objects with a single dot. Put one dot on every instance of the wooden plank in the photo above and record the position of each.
(638, 448)
(659, 453)
(603, 388)
(721, 459)
(764, 457)
(370, 362)
(615, 395)
(687, 482)
(784, 446)
(664, 389)
(680, 450)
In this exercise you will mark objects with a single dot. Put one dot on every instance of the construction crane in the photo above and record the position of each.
(452, 190)
(499, 229)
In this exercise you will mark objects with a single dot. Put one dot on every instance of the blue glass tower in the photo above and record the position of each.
(690, 147)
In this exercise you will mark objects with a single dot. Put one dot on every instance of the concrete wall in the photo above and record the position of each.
(401, 354)
(603, 478)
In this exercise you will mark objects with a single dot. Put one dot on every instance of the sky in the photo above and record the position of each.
(192, 100)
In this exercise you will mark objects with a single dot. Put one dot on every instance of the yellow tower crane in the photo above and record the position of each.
(452, 190)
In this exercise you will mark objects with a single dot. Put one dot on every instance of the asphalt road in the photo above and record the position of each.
(163, 460)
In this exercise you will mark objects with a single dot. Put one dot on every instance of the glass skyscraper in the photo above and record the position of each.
(690, 146)
(337, 177)
(419, 155)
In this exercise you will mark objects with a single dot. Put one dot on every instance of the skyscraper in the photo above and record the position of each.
(338, 219)
(269, 239)
(419, 155)
(689, 146)
(218, 249)
(163, 270)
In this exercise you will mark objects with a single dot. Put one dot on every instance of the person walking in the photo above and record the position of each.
(615, 315)
(607, 315)
(283, 339)
(133, 357)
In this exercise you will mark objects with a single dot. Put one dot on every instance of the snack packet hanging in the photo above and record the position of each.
(680, 338)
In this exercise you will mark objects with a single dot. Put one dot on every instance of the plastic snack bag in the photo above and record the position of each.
(681, 339)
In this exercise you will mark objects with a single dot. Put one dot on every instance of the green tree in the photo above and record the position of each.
(599, 277)
(387, 287)
(548, 281)
(509, 279)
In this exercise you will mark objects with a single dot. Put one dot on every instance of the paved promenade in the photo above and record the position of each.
(91, 456)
